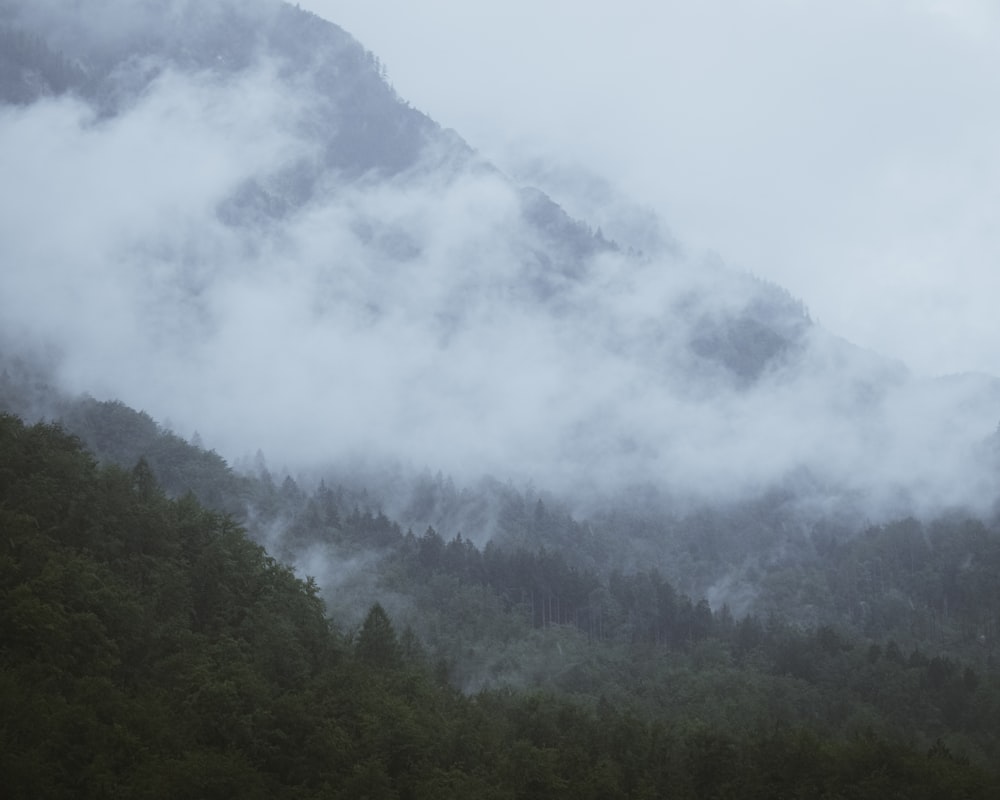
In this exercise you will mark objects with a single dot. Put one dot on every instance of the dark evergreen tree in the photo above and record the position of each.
(377, 644)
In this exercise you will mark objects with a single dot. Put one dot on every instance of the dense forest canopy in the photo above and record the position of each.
(150, 649)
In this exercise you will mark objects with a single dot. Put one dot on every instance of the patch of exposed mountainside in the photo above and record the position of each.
(111, 53)
(30, 69)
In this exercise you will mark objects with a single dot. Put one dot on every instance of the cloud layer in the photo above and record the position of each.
(420, 318)
(842, 148)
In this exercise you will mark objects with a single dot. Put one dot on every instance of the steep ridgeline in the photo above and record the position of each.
(253, 235)
(111, 53)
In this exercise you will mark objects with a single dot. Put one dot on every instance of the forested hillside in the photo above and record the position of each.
(149, 649)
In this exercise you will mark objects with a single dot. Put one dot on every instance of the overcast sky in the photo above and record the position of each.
(848, 150)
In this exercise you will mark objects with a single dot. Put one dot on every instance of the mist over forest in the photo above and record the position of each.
(234, 223)
(239, 266)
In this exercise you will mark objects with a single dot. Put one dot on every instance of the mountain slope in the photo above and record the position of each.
(252, 235)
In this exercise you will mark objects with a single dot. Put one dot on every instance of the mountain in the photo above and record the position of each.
(643, 526)
(222, 213)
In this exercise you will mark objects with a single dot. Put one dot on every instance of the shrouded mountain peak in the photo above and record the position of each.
(253, 234)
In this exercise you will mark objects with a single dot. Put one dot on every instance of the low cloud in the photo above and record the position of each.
(421, 319)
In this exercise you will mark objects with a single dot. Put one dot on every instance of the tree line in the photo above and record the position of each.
(150, 649)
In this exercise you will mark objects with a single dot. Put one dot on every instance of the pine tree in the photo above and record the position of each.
(377, 644)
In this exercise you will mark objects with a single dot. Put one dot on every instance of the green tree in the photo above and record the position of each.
(377, 644)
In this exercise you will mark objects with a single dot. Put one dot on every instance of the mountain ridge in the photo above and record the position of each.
(421, 291)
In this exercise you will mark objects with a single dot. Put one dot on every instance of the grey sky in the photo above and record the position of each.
(846, 150)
